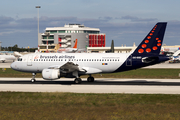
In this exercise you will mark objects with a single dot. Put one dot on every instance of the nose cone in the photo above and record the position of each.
(14, 66)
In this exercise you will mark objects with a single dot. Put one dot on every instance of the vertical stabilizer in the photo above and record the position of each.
(75, 45)
(151, 45)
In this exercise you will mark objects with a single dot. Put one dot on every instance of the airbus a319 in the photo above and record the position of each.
(73, 65)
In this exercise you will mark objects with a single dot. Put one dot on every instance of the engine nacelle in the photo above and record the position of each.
(51, 74)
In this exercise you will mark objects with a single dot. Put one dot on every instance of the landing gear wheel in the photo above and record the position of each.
(33, 80)
(33, 77)
(77, 81)
(90, 79)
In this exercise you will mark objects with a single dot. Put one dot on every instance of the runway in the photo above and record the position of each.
(101, 85)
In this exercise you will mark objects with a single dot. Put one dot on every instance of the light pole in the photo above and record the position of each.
(0, 45)
(38, 19)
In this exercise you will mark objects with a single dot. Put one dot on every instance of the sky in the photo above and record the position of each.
(124, 21)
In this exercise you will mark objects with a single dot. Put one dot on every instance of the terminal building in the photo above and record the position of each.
(64, 37)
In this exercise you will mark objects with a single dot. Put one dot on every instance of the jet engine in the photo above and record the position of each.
(51, 74)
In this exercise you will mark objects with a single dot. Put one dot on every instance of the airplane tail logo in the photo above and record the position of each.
(151, 45)
(75, 45)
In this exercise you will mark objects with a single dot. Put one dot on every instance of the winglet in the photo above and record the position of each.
(153, 41)
(75, 45)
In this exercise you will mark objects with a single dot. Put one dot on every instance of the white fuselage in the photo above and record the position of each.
(92, 62)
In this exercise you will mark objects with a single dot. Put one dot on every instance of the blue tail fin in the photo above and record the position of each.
(151, 45)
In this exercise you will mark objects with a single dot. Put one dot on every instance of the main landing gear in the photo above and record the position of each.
(78, 80)
(90, 79)
(33, 77)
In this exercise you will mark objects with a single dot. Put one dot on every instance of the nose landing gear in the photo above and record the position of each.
(33, 77)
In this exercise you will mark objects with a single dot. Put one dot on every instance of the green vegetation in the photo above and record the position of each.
(16, 48)
(76, 106)
(139, 73)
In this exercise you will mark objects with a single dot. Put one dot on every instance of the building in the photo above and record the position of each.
(64, 37)
(124, 49)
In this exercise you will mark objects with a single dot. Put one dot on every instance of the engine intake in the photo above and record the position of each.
(51, 74)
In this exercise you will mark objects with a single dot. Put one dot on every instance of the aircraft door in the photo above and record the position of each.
(129, 61)
(29, 61)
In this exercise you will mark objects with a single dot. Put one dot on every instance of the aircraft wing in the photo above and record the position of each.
(70, 67)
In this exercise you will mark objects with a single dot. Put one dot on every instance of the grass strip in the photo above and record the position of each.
(78, 106)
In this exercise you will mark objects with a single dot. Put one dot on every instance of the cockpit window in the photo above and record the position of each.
(19, 59)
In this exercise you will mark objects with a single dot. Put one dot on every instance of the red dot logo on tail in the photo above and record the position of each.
(149, 37)
(146, 41)
(140, 51)
(148, 50)
(159, 44)
(144, 46)
(159, 41)
(155, 48)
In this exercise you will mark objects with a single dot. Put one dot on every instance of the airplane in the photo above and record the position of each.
(73, 65)
(69, 50)
(3, 58)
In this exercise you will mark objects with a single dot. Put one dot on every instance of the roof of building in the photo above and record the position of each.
(73, 27)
